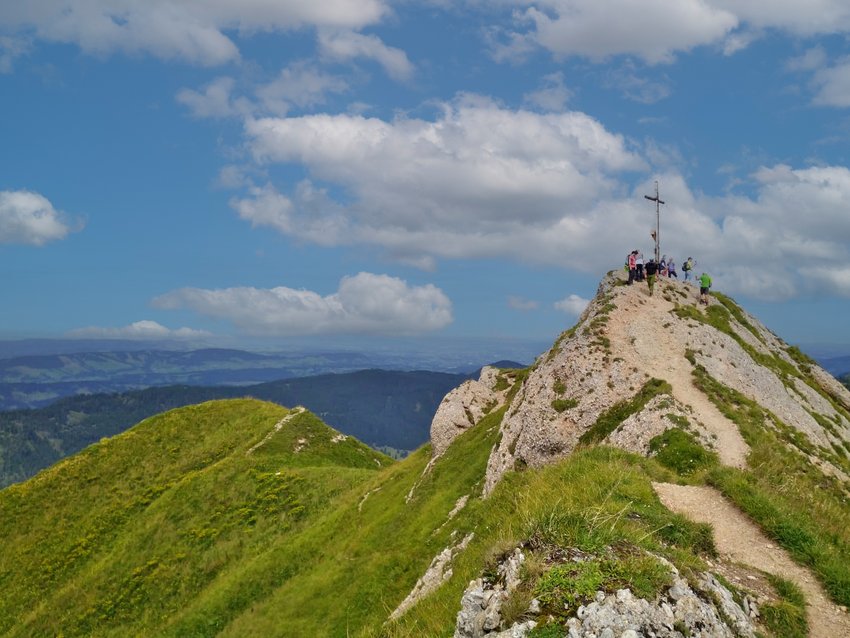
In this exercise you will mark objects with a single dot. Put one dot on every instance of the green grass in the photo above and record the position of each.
(804, 510)
(611, 419)
(134, 527)
(560, 405)
(566, 586)
(787, 616)
(681, 452)
(597, 500)
(173, 529)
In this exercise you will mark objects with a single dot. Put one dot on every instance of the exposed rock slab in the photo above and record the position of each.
(463, 407)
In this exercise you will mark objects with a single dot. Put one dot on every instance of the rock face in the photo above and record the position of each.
(437, 573)
(679, 610)
(624, 339)
(463, 407)
(480, 607)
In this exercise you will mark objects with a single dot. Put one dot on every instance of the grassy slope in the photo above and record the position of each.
(344, 574)
(326, 548)
(128, 532)
(381, 407)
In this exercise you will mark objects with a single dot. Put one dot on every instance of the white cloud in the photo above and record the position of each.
(831, 279)
(811, 60)
(364, 304)
(29, 218)
(144, 329)
(572, 305)
(552, 94)
(653, 30)
(634, 86)
(832, 84)
(213, 101)
(11, 48)
(807, 18)
(300, 84)
(656, 30)
(480, 180)
(348, 45)
(191, 30)
(519, 303)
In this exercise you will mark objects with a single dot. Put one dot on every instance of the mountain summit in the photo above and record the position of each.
(646, 355)
(665, 469)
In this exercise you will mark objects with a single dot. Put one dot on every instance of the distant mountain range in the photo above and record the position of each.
(383, 408)
(838, 366)
(36, 372)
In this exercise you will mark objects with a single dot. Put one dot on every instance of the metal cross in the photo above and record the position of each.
(656, 234)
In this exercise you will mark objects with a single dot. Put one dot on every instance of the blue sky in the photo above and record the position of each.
(218, 171)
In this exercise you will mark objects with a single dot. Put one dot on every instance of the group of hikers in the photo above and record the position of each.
(665, 267)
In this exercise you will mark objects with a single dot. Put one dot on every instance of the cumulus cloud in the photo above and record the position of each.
(572, 305)
(479, 180)
(30, 218)
(653, 30)
(348, 45)
(520, 303)
(365, 303)
(790, 237)
(552, 94)
(797, 18)
(301, 84)
(811, 60)
(483, 181)
(141, 330)
(190, 30)
(214, 100)
(656, 30)
(832, 84)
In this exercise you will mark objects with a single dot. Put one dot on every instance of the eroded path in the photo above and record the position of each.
(644, 342)
(739, 539)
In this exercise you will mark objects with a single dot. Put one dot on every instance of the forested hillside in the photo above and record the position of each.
(383, 408)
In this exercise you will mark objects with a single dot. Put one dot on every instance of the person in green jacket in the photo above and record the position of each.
(704, 285)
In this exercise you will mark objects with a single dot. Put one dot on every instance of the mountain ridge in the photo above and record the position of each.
(539, 513)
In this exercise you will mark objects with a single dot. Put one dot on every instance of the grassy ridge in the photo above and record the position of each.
(173, 529)
(184, 526)
(124, 534)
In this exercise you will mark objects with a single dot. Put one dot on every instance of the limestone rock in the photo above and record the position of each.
(625, 338)
(462, 408)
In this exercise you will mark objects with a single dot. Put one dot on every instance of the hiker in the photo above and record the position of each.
(651, 269)
(704, 285)
(662, 266)
(630, 260)
(671, 269)
(687, 267)
(639, 266)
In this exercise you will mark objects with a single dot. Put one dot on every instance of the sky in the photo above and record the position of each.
(268, 170)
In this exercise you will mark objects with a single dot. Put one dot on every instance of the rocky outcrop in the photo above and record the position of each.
(463, 407)
(625, 338)
(680, 611)
(437, 573)
(704, 608)
(481, 605)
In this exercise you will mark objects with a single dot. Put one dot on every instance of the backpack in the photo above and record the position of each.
(686, 265)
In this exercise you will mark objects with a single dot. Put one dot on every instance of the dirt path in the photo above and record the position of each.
(645, 343)
(739, 539)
